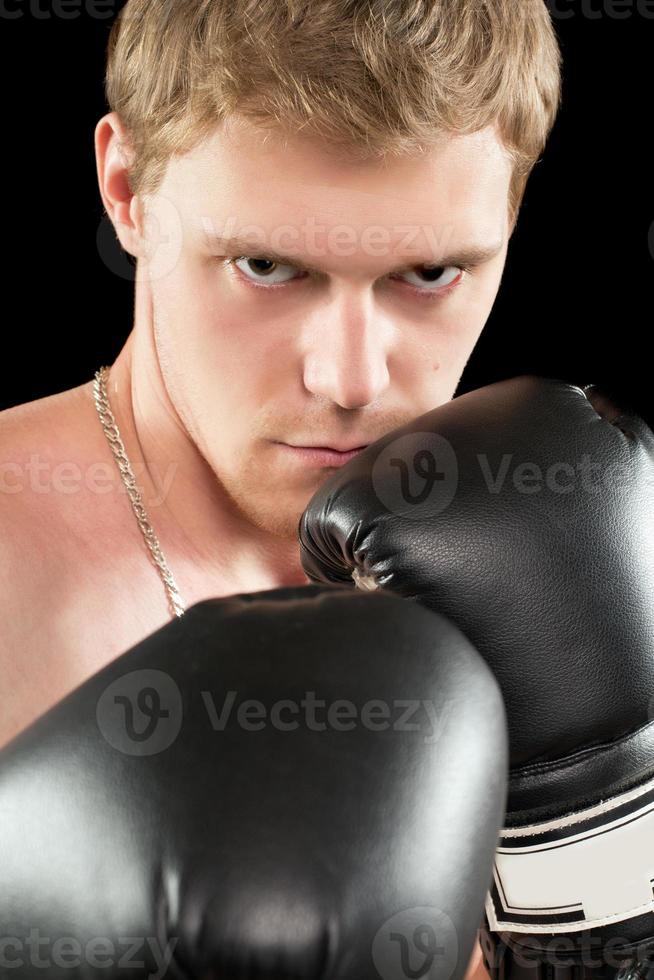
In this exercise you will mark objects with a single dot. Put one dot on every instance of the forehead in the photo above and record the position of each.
(263, 177)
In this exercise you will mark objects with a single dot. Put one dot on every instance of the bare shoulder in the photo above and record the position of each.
(43, 414)
(73, 579)
(27, 431)
(42, 422)
(40, 444)
(65, 523)
(45, 449)
(32, 556)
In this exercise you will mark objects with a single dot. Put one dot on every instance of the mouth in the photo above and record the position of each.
(325, 456)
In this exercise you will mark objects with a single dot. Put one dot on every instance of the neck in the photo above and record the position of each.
(210, 549)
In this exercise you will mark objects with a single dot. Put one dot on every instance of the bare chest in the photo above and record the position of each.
(66, 621)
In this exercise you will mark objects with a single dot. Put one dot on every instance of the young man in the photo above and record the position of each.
(320, 199)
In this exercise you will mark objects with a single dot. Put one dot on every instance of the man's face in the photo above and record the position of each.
(351, 307)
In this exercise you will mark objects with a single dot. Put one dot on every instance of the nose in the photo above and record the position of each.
(346, 353)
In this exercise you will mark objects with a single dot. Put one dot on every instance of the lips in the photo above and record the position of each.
(337, 449)
(319, 456)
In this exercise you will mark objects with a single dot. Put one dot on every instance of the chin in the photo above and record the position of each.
(273, 511)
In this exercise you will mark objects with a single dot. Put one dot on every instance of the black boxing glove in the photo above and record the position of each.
(300, 783)
(524, 511)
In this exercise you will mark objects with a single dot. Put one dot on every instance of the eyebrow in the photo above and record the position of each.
(470, 255)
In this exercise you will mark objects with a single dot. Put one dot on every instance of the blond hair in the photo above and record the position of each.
(371, 77)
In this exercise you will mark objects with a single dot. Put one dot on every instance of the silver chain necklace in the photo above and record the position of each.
(113, 436)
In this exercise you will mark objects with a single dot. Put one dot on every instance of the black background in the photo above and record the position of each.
(575, 301)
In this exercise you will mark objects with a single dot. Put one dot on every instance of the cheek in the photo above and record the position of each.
(223, 326)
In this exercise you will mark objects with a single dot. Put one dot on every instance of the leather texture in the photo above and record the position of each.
(524, 511)
(227, 844)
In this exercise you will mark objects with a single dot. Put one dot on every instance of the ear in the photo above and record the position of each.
(113, 155)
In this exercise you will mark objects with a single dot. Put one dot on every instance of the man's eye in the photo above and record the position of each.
(433, 278)
(264, 272)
